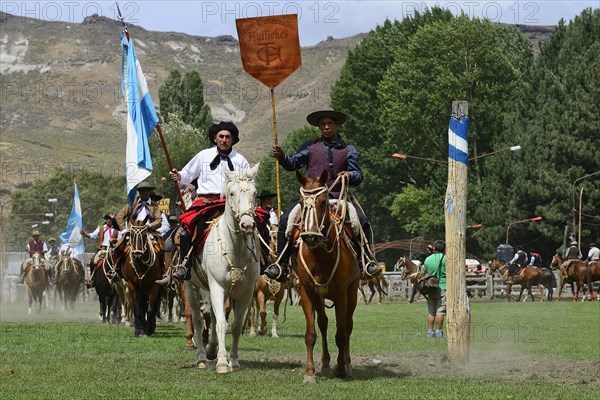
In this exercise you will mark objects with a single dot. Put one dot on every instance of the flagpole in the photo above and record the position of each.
(158, 128)
(277, 182)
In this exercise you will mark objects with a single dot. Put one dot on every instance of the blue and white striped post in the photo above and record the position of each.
(457, 306)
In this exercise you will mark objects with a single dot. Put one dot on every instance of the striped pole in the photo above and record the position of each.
(455, 207)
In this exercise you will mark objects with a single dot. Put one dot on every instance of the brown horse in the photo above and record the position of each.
(593, 272)
(141, 268)
(327, 269)
(266, 289)
(409, 270)
(576, 273)
(36, 281)
(526, 278)
(376, 284)
(177, 290)
(68, 278)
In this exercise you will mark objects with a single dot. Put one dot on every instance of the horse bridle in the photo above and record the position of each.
(237, 215)
(137, 239)
(309, 212)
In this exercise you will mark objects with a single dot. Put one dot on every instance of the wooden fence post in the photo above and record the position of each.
(457, 302)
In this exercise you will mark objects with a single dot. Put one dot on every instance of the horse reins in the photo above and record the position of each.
(136, 238)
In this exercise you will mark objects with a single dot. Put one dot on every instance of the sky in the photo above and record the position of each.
(317, 19)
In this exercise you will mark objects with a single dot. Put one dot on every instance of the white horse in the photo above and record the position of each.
(227, 267)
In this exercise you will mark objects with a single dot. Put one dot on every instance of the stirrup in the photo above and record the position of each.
(182, 273)
(375, 269)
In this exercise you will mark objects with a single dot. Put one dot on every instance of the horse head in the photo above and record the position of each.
(37, 261)
(314, 200)
(240, 192)
(139, 242)
(496, 265)
(557, 261)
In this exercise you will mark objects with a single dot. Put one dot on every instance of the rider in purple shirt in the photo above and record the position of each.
(329, 152)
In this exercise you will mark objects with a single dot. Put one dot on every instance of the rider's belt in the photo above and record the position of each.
(209, 196)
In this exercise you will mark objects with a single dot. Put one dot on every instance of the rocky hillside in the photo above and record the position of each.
(61, 103)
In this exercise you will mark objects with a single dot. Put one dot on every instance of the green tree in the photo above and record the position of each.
(356, 93)
(184, 98)
(556, 119)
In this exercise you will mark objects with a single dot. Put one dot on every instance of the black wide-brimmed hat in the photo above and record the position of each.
(107, 216)
(338, 116)
(145, 185)
(224, 126)
(266, 194)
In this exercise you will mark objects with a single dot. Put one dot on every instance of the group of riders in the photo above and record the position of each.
(205, 172)
(521, 259)
(50, 254)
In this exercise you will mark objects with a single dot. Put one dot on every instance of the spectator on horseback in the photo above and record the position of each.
(144, 211)
(36, 245)
(520, 260)
(52, 249)
(103, 234)
(329, 152)
(572, 253)
(435, 264)
(593, 254)
(207, 168)
(535, 259)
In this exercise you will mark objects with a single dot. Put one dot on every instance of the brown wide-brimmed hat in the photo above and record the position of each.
(266, 194)
(224, 126)
(338, 116)
(35, 232)
(145, 185)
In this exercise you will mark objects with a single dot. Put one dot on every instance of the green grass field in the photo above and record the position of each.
(518, 350)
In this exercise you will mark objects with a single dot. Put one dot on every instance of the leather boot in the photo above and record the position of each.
(279, 271)
(183, 270)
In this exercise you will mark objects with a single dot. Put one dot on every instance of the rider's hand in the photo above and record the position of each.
(175, 175)
(276, 151)
(348, 174)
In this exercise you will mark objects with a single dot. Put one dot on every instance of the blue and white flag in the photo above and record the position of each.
(72, 235)
(141, 119)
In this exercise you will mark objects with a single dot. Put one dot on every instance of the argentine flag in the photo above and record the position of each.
(72, 235)
(141, 119)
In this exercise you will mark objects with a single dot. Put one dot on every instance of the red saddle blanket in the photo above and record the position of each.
(197, 217)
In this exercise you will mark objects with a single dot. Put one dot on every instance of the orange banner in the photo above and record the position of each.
(269, 47)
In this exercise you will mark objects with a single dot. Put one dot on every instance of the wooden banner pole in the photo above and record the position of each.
(275, 141)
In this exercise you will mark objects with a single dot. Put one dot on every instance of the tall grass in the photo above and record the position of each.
(532, 350)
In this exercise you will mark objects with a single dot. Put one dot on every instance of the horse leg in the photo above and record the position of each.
(154, 298)
(310, 336)
(508, 291)
(189, 331)
(239, 316)
(349, 326)
(137, 311)
(251, 313)
(362, 291)
(372, 289)
(217, 297)
(102, 300)
(323, 322)
(262, 310)
(197, 321)
(276, 304)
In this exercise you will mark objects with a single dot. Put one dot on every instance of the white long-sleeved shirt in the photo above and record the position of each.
(594, 254)
(210, 181)
(164, 225)
(108, 232)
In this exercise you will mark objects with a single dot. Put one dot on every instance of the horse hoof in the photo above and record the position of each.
(234, 367)
(252, 334)
(202, 365)
(326, 371)
(309, 379)
(275, 335)
(222, 369)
